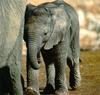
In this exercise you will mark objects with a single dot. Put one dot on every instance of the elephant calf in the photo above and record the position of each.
(52, 29)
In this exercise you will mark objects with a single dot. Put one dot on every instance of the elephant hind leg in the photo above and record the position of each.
(75, 77)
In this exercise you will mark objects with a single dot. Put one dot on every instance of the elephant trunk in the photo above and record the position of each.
(32, 51)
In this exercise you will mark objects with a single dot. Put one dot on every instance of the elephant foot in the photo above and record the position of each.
(49, 89)
(75, 83)
(75, 77)
(31, 91)
(61, 92)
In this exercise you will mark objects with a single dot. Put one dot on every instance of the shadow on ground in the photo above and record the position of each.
(90, 72)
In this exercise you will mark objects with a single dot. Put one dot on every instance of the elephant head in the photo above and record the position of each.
(47, 26)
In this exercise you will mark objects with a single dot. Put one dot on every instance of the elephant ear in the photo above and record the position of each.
(60, 24)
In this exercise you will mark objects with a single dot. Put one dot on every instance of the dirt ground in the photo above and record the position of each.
(90, 72)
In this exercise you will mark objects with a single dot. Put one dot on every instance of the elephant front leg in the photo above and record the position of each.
(50, 84)
(32, 81)
(50, 72)
(60, 77)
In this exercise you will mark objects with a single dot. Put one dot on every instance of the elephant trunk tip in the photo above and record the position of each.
(36, 66)
(36, 63)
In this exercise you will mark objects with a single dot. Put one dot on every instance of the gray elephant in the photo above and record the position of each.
(52, 29)
(11, 27)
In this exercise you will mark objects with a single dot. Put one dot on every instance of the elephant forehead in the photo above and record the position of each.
(39, 25)
(44, 19)
(41, 22)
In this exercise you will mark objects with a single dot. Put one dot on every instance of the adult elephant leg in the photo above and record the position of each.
(1, 83)
(4, 81)
(1, 88)
(14, 65)
(32, 80)
(15, 79)
(60, 66)
(50, 72)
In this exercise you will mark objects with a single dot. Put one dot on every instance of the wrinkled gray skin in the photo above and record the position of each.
(11, 27)
(53, 29)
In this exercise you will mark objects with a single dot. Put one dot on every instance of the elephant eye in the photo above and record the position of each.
(45, 33)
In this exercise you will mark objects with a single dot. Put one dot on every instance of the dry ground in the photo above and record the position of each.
(90, 72)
